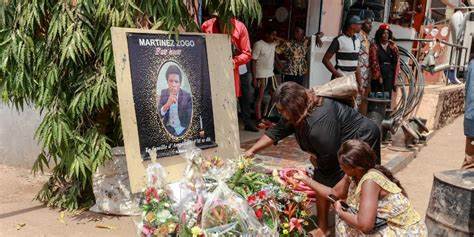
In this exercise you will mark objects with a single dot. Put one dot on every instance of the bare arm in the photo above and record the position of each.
(254, 73)
(327, 62)
(364, 220)
(264, 142)
(278, 63)
(340, 190)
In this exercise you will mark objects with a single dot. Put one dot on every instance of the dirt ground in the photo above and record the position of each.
(21, 216)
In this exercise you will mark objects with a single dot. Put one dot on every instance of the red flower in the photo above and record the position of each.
(151, 193)
(259, 213)
(262, 194)
(296, 224)
(251, 199)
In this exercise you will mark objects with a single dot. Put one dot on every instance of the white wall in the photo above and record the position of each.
(17, 145)
(318, 74)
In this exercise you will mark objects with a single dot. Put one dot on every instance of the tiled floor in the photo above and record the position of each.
(288, 154)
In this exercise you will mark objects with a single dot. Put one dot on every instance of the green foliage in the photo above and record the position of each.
(57, 56)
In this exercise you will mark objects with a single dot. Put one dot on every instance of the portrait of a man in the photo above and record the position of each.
(175, 104)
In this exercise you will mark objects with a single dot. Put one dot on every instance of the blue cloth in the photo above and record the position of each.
(469, 102)
(174, 119)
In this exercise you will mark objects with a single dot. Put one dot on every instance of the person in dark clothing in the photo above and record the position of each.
(320, 126)
(175, 106)
(384, 61)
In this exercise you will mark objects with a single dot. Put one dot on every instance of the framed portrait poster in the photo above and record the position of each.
(174, 90)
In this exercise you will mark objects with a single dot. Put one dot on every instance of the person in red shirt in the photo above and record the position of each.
(241, 55)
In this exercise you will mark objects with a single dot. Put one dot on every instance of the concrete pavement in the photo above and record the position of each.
(444, 151)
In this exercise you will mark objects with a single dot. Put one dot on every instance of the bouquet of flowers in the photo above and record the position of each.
(295, 206)
(189, 211)
(267, 209)
(246, 180)
(295, 215)
(158, 218)
(225, 212)
(286, 176)
(192, 192)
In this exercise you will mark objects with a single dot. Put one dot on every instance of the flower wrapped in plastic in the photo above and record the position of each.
(158, 217)
(225, 212)
(266, 209)
(193, 174)
(190, 195)
(246, 180)
(189, 212)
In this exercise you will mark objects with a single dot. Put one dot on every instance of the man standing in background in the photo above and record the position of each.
(346, 47)
(364, 65)
(264, 81)
(241, 55)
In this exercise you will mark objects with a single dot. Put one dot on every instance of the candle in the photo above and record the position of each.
(200, 121)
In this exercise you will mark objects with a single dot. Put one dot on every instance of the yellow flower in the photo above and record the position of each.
(286, 225)
(305, 223)
(171, 227)
(285, 232)
(150, 217)
(196, 231)
(303, 213)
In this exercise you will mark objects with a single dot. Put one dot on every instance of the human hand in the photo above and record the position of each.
(301, 176)
(249, 154)
(314, 160)
(319, 42)
(171, 100)
(381, 81)
(338, 207)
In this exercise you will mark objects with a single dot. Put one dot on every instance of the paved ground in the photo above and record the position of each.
(445, 151)
(20, 216)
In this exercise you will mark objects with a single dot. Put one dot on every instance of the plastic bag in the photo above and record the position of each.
(189, 212)
(225, 213)
(342, 88)
(158, 218)
(193, 180)
(111, 188)
(192, 190)
(267, 209)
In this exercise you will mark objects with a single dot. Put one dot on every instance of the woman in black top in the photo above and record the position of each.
(384, 61)
(320, 126)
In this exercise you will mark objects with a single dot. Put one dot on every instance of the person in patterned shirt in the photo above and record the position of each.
(364, 65)
(295, 52)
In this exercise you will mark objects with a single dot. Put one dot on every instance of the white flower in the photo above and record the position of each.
(163, 215)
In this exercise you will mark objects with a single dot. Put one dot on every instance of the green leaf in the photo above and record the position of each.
(58, 58)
